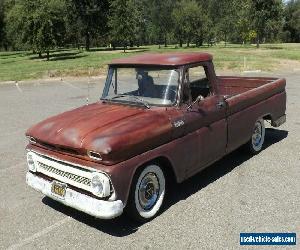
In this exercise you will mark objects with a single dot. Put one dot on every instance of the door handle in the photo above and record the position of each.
(221, 104)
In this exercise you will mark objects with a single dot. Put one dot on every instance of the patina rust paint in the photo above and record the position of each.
(165, 59)
(128, 137)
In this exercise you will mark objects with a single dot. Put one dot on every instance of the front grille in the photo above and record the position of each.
(70, 176)
(76, 176)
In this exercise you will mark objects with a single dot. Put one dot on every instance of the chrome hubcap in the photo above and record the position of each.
(257, 134)
(148, 191)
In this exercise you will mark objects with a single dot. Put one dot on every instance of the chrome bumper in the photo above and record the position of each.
(277, 123)
(97, 208)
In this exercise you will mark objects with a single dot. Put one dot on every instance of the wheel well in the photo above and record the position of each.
(165, 165)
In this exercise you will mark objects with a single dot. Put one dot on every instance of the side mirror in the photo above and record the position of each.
(199, 99)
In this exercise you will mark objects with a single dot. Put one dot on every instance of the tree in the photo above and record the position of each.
(267, 17)
(2, 34)
(179, 23)
(38, 23)
(244, 30)
(122, 22)
(142, 22)
(160, 14)
(190, 22)
(292, 21)
(89, 17)
(228, 17)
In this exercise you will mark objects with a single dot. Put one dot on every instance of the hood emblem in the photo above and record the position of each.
(178, 124)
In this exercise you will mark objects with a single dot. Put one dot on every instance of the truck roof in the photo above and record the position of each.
(164, 59)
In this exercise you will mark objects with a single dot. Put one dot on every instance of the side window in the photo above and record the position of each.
(198, 81)
(196, 74)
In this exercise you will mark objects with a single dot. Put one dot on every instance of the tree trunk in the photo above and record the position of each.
(166, 41)
(40, 54)
(48, 56)
(257, 41)
(124, 48)
(180, 43)
(77, 43)
(225, 40)
(201, 42)
(87, 41)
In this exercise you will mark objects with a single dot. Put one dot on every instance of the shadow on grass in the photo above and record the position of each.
(9, 61)
(67, 57)
(13, 54)
(123, 226)
(273, 47)
(60, 56)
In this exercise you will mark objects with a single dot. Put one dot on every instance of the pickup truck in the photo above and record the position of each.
(161, 118)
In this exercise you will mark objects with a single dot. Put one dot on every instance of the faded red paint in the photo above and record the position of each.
(116, 131)
(128, 137)
(165, 59)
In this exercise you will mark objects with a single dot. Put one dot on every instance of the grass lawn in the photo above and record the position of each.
(233, 58)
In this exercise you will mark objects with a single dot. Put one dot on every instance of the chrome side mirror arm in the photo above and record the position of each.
(199, 99)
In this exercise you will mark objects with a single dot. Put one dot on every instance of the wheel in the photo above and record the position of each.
(258, 137)
(147, 193)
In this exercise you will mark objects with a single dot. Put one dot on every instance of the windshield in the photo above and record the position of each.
(146, 86)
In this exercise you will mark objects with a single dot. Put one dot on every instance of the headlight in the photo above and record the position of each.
(30, 162)
(100, 185)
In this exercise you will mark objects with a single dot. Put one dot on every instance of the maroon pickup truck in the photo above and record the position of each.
(161, 117)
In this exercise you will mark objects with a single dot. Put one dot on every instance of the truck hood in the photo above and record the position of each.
(117, 132)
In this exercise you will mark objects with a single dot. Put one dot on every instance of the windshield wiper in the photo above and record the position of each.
(140, 100)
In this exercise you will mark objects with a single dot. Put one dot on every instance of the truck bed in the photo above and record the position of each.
(242, 92)
(230, 85)
(250, 98)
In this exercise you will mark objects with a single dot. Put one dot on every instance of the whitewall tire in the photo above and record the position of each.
(147, 193)
(257, 140)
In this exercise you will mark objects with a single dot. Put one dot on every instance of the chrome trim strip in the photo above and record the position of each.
(277, 123)
(84, 168)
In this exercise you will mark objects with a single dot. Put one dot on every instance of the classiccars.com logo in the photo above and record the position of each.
(267, 238)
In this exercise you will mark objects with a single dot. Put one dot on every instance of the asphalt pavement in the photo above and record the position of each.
(239, 193)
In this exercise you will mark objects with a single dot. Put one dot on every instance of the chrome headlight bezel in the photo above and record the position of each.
(100, 185)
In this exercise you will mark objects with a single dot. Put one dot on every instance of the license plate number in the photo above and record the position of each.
(59, 189)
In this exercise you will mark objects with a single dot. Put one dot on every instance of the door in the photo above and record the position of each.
(205, 119)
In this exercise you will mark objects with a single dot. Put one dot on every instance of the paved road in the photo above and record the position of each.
(237, 194)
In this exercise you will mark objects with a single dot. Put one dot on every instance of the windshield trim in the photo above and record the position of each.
(151, 67)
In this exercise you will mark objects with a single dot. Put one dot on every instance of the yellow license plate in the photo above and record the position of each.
(59, 189)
